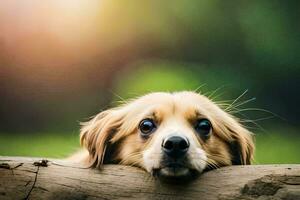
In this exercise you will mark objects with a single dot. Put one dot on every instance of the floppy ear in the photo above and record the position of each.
(239, 139)
(95, 134)
(241, 144)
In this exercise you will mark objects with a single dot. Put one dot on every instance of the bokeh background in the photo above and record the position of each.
(62, 61)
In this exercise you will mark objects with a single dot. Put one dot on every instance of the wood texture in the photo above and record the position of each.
(33, 178)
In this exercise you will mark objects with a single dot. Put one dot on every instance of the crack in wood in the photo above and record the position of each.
(19, 165)
(27, 183)
(33, 185)
(8, 166)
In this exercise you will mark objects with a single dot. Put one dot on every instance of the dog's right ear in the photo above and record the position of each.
(95, 134)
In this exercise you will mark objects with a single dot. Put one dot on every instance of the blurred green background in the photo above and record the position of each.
(64, 61)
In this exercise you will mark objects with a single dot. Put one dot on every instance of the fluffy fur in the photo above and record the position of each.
(113, 136)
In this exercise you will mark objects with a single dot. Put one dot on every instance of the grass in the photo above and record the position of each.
(52, 145)
(274, 147)
(277, 147)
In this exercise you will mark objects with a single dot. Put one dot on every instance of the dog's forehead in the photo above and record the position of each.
(172, 98)
(172, 103)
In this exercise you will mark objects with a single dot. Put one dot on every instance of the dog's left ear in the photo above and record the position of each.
(239, 140)
(96, 134)
(241, 144)
(242, 147)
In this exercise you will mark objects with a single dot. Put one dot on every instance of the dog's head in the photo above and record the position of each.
(167, 134)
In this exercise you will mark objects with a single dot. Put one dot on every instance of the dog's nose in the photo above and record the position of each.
(175, 146)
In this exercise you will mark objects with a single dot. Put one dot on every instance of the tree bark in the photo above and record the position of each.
(34, 178)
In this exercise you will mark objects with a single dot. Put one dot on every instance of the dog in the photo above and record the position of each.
(172, 135)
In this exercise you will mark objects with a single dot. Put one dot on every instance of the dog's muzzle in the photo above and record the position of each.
(174, 162)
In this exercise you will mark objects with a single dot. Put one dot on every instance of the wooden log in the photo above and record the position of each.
(34, 178)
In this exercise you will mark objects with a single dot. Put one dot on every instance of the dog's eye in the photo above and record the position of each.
(203, 127)
(147, 126)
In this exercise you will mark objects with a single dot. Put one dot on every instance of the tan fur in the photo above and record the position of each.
(113, 136)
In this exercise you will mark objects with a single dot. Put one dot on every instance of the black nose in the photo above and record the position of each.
(175, 146)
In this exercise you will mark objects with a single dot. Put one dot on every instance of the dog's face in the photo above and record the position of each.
(167, 134)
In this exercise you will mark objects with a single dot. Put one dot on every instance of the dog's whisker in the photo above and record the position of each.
(257, 120)
(121, 99)
(233, 106)
(239, 97)
(212, 164)
(244, 102)
(215, 91)
(258, 126)
(217, 96)
(199, 87)
(259, 109)
(222, 104)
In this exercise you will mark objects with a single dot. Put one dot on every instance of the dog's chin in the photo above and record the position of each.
(173, 172)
